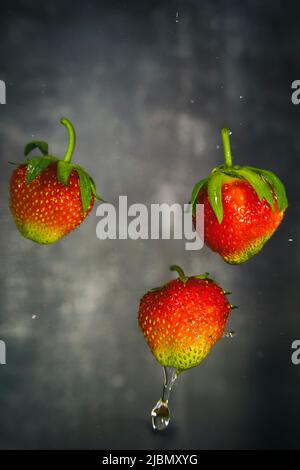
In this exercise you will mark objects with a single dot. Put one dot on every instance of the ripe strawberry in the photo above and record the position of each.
(49, 197)
(243, 206)
(182, 320)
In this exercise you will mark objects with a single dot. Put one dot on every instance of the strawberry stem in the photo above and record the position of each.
(180, 272)
(226, 147)
(72, 139)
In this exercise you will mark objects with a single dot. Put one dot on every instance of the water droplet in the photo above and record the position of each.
(230, 132)
(229, 334)
(217, 146)
(290, 240)
(34, 317)
(241, 97)
(161, 414)
(192, 101)
(177, 17)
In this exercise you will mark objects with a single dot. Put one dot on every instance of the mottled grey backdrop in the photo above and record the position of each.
(148, 96)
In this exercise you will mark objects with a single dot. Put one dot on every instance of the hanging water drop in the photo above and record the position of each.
(161, 414)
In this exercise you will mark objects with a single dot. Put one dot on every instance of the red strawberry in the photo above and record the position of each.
(50, 197)
(243, 206)
(182, 320)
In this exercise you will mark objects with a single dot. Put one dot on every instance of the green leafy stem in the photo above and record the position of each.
(36, 165)
(265, 183)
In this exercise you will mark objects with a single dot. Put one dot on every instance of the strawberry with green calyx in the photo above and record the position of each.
(181, 321)
(243, 206)
(50, 197)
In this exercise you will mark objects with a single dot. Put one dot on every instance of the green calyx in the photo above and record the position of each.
(183, 278)
(36, 166)
(265, 183)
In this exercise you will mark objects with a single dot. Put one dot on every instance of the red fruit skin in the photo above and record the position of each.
(182, 321)
(247, 222)
(45, 210)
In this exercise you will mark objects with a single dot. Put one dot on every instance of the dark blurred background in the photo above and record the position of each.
(148, 86)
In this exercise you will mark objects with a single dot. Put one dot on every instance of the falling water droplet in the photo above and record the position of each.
(290, 240)
(230, 132)
(241, 97)
(177, 17)
(161, 414)
(34, 317)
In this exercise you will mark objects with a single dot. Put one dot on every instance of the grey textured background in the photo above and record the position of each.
(148, 96)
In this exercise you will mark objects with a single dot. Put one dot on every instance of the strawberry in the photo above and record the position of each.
(50, 197)
(182, 320)
(243, 206)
